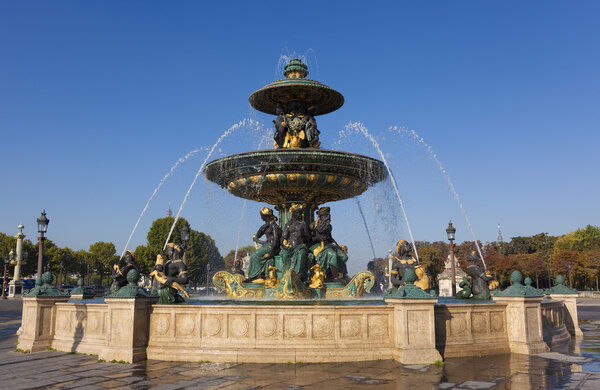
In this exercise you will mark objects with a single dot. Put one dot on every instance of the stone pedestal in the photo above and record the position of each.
(128, 323)
(414, 327)
(15, 288)
(524, 319)
(37, 326)
(571, 318)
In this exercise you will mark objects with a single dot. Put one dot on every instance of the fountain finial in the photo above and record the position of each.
(295, 69)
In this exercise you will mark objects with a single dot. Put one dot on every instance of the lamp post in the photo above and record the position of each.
(11, 256)
(42, 223)
(450, 230)
(185, 236)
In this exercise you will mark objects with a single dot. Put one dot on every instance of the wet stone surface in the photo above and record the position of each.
(576, 366)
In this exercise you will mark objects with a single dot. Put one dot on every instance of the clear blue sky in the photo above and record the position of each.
(99, 99)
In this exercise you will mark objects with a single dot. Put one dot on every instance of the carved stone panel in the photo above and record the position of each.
(160, 324)
(479, 323)
(239, 325)
(458, 324)
(351, 326)
(295, 326)
(267, 326)
(186, 325)
(323, 326)
(214, 325)
(497, 321)
(418, 327)
(378, 326)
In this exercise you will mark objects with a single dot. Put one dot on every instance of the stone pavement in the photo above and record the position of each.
(575, 368)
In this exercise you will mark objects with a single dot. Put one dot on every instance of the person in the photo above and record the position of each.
(262, 258)
(312, 133)
(119, 275)
(479, 277)
(294, 252)
(330, 256)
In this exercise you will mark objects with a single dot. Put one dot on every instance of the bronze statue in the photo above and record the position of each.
(330, 256)
(119, 275)
(404, 261)
(294, 253)
(173, 278)
(280, 127)
(262, 258)
(479, 278)
(312, 133)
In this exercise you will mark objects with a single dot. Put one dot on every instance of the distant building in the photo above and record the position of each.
(169, 211)
(445, 278)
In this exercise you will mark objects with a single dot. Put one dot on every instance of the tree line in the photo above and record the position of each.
(96, 263)
(541, 257)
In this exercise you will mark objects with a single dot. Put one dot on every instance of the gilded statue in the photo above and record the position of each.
(119, 275)
(272, 281)
(329, 255)
(172, 277)
(296, 127)
(296, 236)
(404, 261)
(317, 280)
(262, 258)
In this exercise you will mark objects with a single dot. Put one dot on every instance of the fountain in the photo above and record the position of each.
(297, 304)
(296, 173)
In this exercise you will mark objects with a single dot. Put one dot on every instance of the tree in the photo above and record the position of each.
(103, 256)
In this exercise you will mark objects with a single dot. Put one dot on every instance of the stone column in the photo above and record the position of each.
(524, 324)
(127, 333)
(15, 287)
(414, 331)
(523, 316)
(571, 318)
(38, 323)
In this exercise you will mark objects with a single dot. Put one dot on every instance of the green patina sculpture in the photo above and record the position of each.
(560, 287)
(325, 251)
(132, 289)
(44, 288)
(262, 258)
(466, 285)
(119, 274)
(82, 291)
(518, 289)
(409, 290)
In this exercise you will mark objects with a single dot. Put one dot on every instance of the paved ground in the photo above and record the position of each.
(577, 368)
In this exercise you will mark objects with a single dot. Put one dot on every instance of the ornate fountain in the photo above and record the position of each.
(296, 174)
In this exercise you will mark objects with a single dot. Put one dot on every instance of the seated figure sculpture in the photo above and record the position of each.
(172, 278)
(119, 275)
(263, 257)
(479, 278)
(296, 127)
(294, 252)
(404, 261)
(330, 256)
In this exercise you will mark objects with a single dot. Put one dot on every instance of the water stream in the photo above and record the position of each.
(362, 214)
(414, 135)
(179, 161)
(358, 127)
(239, 231)
(241, 124)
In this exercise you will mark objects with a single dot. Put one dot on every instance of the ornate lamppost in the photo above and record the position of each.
(185, 236)
(42, 223)
(450, 231)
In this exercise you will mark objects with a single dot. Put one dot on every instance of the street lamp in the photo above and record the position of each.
(450, 231)
(42, 223)
(185, 236)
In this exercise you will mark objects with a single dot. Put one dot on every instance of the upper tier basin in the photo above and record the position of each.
(296, 175)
